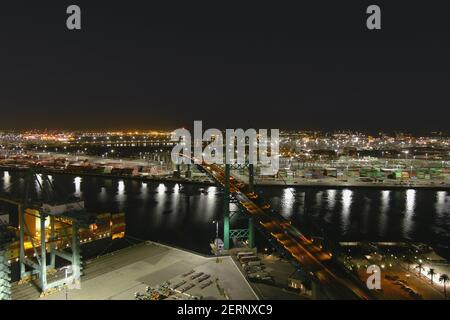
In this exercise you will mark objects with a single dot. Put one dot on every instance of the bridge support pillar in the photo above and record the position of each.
(52, 243)
(188, 173)
(226, 209)
(22, 241)
(251, 178)
(43, 269)
(76, 254)
(177, 173)
(251, 233)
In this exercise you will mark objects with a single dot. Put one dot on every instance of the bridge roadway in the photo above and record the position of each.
(308, 255)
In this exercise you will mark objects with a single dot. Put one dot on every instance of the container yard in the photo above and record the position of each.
(341, 172)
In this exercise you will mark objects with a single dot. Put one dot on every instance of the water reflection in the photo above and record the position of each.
(121, 196)
(77, 183)
(103, 195)
(161, 188)
(172, 206)
(319, 198)
(144, 190)
(181, 214)
(287, 202)
(442, 206)
(331, 203)
(346, 203)
(385, 197)
(38, 184)
(211, 202)
(331, 198)
(121, 187)
(409, 212)
(176, 188)
(6, 180)
(160, 199)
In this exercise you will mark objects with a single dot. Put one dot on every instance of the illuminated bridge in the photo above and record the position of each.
(315, 264)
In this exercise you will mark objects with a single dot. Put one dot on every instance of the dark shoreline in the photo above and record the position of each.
(109, 176)
(318, 185)
(361, 187)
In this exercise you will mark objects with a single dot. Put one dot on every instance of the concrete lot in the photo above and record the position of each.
(118, 276)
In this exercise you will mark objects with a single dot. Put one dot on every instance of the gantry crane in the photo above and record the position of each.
(69, 214)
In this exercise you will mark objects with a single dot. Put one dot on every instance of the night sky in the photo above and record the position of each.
(261, 64)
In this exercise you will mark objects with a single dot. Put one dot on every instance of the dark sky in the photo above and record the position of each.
(261, 64)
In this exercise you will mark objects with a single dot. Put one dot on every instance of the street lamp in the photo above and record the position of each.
(67, 270)
(217, 228)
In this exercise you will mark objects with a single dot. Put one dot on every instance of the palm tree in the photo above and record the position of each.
(444, 278)
(431, 273)
(420, 267)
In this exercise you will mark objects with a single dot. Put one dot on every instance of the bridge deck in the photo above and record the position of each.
(308, 255)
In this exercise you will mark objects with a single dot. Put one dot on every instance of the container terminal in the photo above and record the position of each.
(48, 240)
(342, 172)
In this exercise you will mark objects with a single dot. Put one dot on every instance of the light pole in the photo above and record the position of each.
(67, 270)
(217, 228)
(217, 240)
